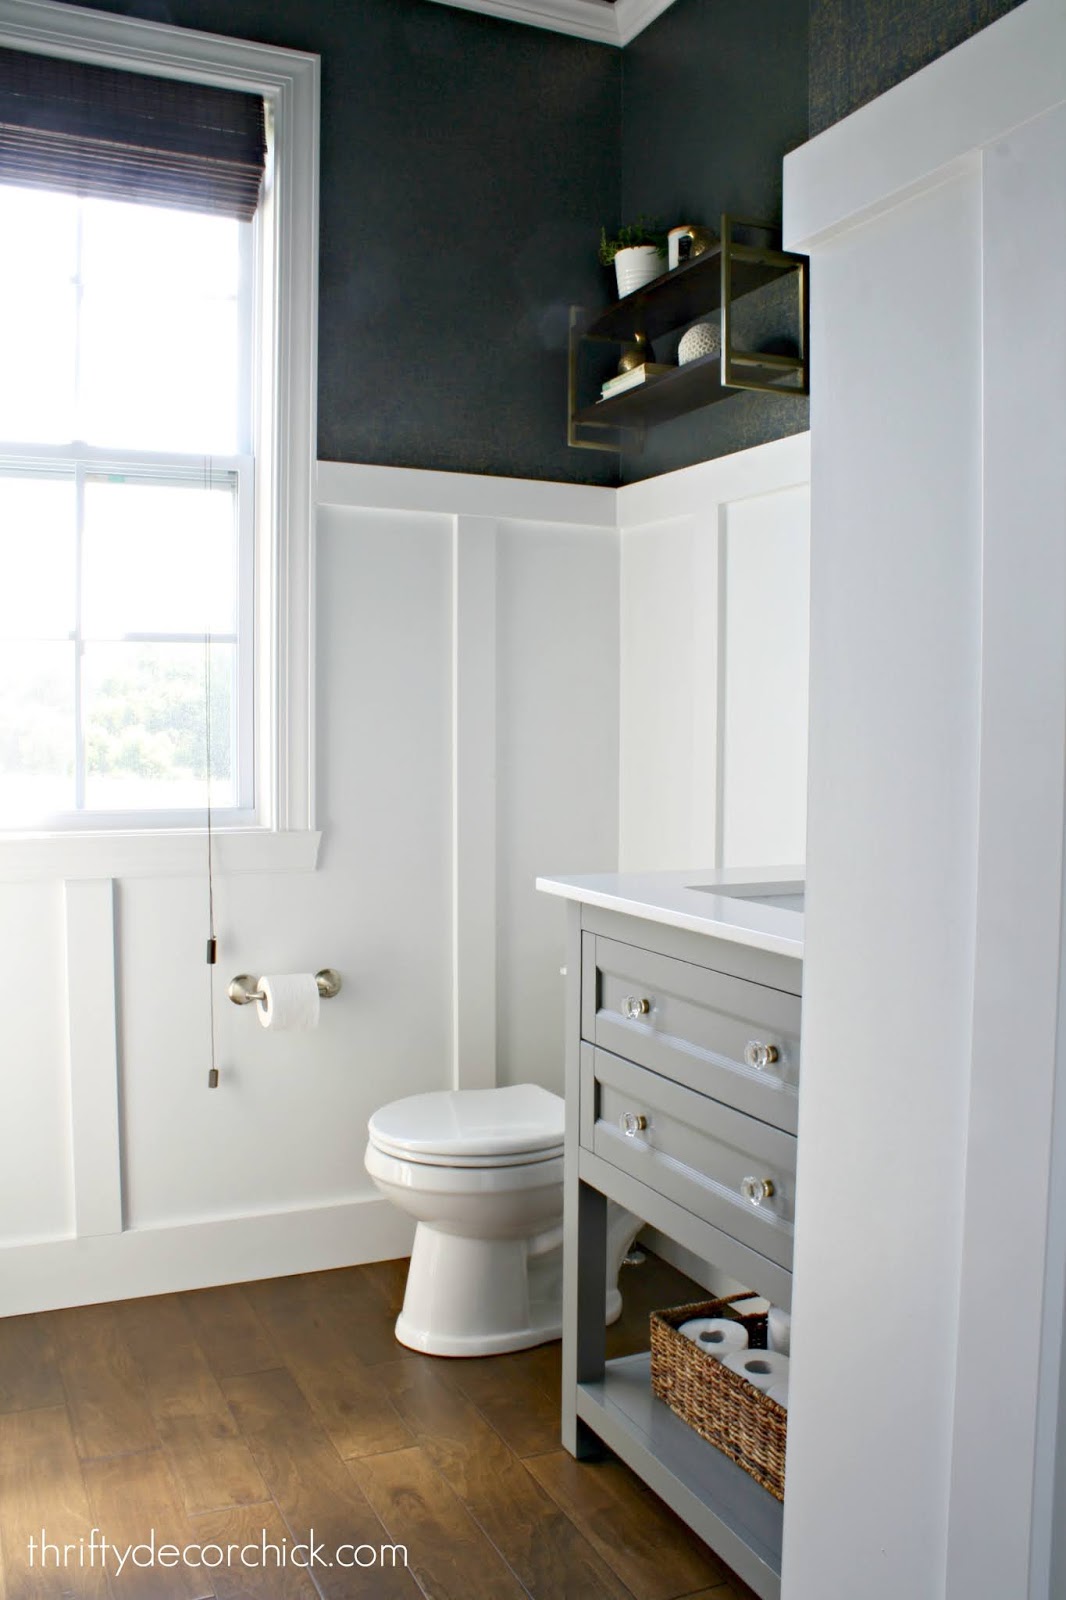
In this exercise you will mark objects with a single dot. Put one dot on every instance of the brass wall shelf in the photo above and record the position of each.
(715, 281)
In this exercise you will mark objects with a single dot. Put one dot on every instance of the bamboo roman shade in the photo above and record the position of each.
(127, 136)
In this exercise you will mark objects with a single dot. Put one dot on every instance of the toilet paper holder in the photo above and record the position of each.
(244, 990)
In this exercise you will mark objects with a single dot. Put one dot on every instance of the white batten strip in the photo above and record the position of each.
(93, 1057)
(474, 803)
(152, 854)
(694, 491)
(579, 505)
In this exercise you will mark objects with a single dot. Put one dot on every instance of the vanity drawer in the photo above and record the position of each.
(696, 1151)
(726, 1037)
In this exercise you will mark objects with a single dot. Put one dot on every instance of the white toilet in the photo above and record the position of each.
(482, 1171)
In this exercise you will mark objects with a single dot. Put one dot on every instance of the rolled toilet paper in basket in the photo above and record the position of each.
(719, 1336)
(763, 1368)
(779, 1392)
(289, 1000)
(779, 1330)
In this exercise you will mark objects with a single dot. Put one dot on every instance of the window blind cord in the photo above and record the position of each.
(212, 941)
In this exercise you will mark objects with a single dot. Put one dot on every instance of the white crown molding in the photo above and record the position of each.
(585, 19)
(634, 15)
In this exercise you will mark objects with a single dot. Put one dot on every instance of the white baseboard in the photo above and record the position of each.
(143, 1261)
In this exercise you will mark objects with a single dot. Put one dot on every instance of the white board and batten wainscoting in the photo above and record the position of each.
(512, 678)
(714, 598)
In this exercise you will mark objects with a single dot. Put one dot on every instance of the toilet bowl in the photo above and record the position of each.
(481, 1171)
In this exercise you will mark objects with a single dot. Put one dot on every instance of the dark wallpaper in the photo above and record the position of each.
(467, 164)
(713, 95)
(860, 48)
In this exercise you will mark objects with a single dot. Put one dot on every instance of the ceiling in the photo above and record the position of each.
(610, 21)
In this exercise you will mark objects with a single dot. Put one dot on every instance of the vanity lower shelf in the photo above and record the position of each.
(718, 1500)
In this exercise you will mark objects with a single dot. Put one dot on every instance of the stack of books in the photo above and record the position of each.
(635, 376)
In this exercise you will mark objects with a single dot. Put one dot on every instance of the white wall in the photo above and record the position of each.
(36, 1186)
(556, 768)
(714, 662)
(488, 652)
(921, 1442)
(264, 1175)
(764, 659)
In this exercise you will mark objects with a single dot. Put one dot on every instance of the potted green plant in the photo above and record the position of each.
(638, 252)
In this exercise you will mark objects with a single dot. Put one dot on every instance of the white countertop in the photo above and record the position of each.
(682, 900)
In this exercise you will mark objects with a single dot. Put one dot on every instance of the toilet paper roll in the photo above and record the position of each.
(779, 1330)
(779, 1392)
(290, 1000)
(763, 1368)
(719, 1336)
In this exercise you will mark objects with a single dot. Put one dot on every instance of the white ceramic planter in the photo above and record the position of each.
(636, 266)
(702, 339)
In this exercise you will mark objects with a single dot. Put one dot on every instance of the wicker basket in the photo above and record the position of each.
(723, 1408)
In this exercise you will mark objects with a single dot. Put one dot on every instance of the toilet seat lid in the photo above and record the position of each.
(484, 1124)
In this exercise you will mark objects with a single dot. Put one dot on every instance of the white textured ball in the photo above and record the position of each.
(702, 339)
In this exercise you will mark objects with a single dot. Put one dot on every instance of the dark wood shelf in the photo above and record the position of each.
(715, 281)
(691, 290)
(697, 383)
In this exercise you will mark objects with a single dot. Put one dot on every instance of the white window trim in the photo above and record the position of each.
(285, 839)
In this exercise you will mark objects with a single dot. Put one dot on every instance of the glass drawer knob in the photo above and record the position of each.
(634, 1006)
(760, 1055)
(757, 1189)
(632, 1123)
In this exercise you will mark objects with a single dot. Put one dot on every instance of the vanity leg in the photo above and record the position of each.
(585, 1266)
(584, 1230)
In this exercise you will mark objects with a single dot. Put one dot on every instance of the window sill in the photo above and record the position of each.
(162, 854)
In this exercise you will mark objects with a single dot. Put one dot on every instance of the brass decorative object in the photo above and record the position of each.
(686, 242)
(702, 240)
(638, 354)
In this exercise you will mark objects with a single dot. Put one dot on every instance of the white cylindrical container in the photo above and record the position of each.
(635, 266)
(779, 1330)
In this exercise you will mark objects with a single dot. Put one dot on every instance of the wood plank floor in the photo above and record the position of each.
(285, 1410)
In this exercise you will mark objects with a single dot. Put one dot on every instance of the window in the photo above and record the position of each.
(126, 513)
(156, 474)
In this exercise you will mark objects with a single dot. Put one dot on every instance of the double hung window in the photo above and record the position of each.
(126, 512)
(157, 264)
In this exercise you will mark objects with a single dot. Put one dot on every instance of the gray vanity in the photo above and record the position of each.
(682, 1079)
